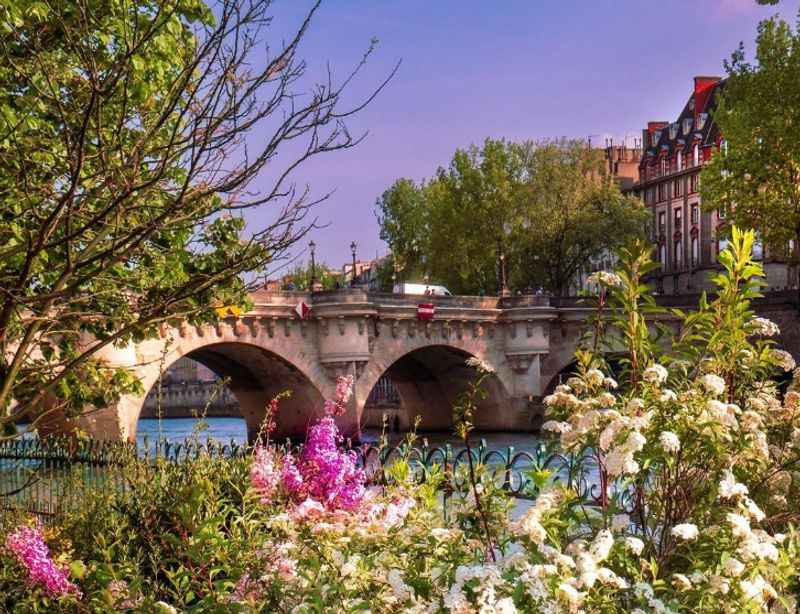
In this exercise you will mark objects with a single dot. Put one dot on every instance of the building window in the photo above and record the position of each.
(677, 218)
(660, 192)
(680, 160)
(678, 254)
(664, 166)
(662, 256)
(676, 188)
(693, 183)
(695, 251)
(695, 214)
(662, 223)
(696, 155)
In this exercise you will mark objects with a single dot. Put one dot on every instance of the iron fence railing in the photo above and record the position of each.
(40, 475)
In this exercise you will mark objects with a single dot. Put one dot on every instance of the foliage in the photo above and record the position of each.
(755, 177)
(697, 462)
(300, 277)
(125, 168)
(551, 205)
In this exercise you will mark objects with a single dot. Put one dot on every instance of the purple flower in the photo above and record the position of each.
(27, 545)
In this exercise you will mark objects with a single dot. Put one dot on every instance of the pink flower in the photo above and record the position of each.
(291, 478)
(264, 474)
(344, 390)
(29, 548)
(308, 510)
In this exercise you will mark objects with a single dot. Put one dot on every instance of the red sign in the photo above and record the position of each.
(425, 311)
(302, 309)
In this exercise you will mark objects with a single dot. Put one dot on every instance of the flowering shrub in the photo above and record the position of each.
(693, 451)
(28, 546)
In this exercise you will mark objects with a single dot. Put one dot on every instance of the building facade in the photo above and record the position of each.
(688, 239)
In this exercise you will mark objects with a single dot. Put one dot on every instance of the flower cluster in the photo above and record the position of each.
(28, 546)
(323, 474)
(605, 278)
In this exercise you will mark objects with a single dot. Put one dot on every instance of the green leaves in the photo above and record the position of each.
(549, 206)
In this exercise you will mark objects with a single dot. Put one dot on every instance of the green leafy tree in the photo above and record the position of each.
(550, 206)
(300, 277)
(126, 164)
(756, 177)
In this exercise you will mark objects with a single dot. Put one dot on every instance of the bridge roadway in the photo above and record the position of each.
(527, 340)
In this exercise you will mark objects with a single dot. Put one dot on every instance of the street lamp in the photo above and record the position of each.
(501, 257)
(353, 251)
(315, 286)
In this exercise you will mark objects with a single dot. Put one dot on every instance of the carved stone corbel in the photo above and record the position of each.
(512, 329)
(529, 328)
(477, 330)
(446, 329)
(255, 326)
(323, 325)
(340, 323)
(360, 324)
(395, 328)
(460, 329)
(412, 328)
(428, 327)
(287, 323)
(201, 330)
(303, 327)
(271, 327)
(490, 328)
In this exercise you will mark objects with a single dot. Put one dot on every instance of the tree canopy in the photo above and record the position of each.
(756, 177)
(551, 206)
(127, 159)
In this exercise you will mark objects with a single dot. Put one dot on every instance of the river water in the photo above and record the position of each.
(226, 430)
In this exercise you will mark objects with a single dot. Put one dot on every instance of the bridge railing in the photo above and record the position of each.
(48, 477)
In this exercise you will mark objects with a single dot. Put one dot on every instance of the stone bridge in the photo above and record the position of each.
(528, 341)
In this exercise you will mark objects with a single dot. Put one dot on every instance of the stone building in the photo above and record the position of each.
(687, 238)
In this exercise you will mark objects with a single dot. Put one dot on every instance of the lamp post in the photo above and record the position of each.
(314, 286)
(501, 258)
(353, 272)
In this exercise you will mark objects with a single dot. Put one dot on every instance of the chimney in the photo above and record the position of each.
(702, 91)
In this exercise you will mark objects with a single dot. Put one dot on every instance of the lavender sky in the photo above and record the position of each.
(518, 69)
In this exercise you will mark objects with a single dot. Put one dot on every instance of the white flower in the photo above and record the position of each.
(681, 582)
(610, 383)
(620, 522)
(655, 374)
(720, 585)
(570, 594)
(634, 405)
(783, 359)
(634, 544)
(733, 567)
(401, 590)
(480, 365)
(686, 531)
(740, 526)
(667, 396)
(729, 488)
(670, 442)
(635, 441)
(165, 608)
(713, 384)
(764, 327)
(606, 278)
(601, 545)
(556, 427)
(620, 461)
(505, 606)
(595, 377)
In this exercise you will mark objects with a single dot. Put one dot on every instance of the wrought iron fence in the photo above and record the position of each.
(43, 476)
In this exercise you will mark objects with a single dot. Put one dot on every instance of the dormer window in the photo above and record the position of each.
(673, 130)
(701, 120)
(680, 160)
(687, 125)
(656, 137)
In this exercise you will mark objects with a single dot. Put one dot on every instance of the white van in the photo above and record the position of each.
(423, 289)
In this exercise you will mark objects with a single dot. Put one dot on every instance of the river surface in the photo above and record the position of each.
(226, 430)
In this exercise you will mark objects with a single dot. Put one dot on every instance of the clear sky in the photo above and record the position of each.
(518, 69)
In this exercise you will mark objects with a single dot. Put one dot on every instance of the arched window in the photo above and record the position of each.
(662, 256)
(678, 254)
(695, 251)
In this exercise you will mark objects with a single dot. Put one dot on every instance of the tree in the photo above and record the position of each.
(300, 276)
(128, 152)
(550, 206)
(756, 179)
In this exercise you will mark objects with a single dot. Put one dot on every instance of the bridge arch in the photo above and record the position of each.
(258, 366)
(429, 376)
